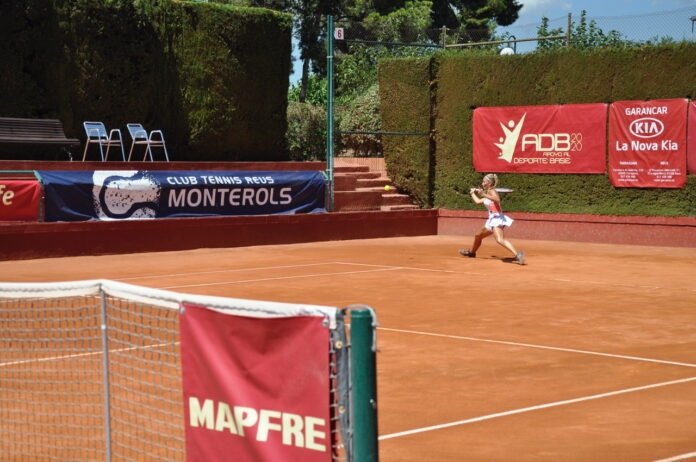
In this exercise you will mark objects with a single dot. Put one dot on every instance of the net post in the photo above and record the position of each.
(364, 392)
(105, 371)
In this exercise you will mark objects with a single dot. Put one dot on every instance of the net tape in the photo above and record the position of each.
(165, 298)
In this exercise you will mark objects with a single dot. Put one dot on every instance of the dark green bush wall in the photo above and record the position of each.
(460, 83)
(412, 93)
(213, 77)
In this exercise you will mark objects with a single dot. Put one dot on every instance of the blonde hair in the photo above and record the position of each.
(493, 178)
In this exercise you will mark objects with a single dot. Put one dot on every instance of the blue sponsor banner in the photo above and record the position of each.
(137, 194)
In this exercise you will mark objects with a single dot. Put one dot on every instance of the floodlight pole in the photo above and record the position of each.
(693, 19)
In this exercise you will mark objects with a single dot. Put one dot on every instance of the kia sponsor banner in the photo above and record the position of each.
(255, 389)
(568, 138)
(134, 194)
(19, 200)
(691, 141)
(647, 143)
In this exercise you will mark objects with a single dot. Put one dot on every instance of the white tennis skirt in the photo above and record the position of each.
(495, 221)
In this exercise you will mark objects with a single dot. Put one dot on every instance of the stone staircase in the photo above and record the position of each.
(358, 188)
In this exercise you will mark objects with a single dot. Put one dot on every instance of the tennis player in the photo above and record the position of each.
(490, 198)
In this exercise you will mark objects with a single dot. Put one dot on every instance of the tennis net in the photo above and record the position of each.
(101, 370)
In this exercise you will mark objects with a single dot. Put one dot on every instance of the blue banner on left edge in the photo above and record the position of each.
(136, 194)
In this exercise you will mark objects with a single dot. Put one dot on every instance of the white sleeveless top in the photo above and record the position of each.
(496, 217)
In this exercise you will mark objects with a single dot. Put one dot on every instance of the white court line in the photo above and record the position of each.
(263, 268)
(193, 273)
(535, 408)
(403, 267)
(679, 457)
(542, 347)
(280, 278)
(80, 355)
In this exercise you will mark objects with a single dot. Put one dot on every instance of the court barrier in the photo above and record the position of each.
(607, 229)
(101, 370)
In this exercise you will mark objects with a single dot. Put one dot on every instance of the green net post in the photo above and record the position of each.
(329, 114)
(364, 392)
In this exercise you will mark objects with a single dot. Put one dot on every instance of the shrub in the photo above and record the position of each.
(306, 135)
(362, 114)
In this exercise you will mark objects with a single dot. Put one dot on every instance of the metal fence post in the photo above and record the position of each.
(570, 25)
(330, 112)
(107, 394)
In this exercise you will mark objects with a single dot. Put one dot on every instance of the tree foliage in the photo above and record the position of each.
(584, 35)
(474, 15)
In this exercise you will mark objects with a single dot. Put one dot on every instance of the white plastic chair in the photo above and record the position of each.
(140, 136)
(96, 134)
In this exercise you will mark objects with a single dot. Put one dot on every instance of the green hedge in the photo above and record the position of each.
(192, 69)
(462, 82)
(407, 102)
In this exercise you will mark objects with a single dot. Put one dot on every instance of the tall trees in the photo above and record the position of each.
(474, 15)
(464, 16)
(309, 20)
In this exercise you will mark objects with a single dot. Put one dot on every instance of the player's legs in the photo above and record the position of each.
(500, 239)
(480, 236)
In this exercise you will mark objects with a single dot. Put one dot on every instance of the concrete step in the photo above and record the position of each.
(357, 200)
(396, 199)
(391, 208)
(345, 182)
(350, 181)
(351, 168)
(359, 189)
(360, 175)
(379, 182)
(356, 208)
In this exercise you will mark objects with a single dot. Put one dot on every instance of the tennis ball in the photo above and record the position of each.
(387, 188)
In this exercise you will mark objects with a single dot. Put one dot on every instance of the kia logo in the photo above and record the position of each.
(647, 127)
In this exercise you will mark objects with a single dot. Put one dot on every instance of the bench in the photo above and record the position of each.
(35, 132)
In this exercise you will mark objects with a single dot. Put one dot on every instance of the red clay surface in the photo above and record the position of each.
(587, 353)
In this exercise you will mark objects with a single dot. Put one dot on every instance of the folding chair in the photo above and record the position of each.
(96, 134)
(140, 136)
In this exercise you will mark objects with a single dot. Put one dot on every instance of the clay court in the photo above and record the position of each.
(586, 353)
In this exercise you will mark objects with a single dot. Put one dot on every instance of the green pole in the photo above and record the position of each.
(364, 393)
(329, 113)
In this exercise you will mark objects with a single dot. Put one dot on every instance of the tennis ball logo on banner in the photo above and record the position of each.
(125, 194)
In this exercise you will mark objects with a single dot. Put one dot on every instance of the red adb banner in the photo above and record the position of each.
(568, 138)
(255, 389)
(19, 200)
(691, 141)
(647, 143)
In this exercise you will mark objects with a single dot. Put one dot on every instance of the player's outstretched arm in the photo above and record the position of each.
(475, 195)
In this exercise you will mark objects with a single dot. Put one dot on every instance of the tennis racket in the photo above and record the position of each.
(504, 190)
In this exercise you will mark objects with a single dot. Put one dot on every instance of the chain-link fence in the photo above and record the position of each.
(359, 47)
(630, 29)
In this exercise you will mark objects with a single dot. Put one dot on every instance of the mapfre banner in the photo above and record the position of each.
(255, 389)
(691, 141)
(647, 143)
(19, 200)
(568, 138)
